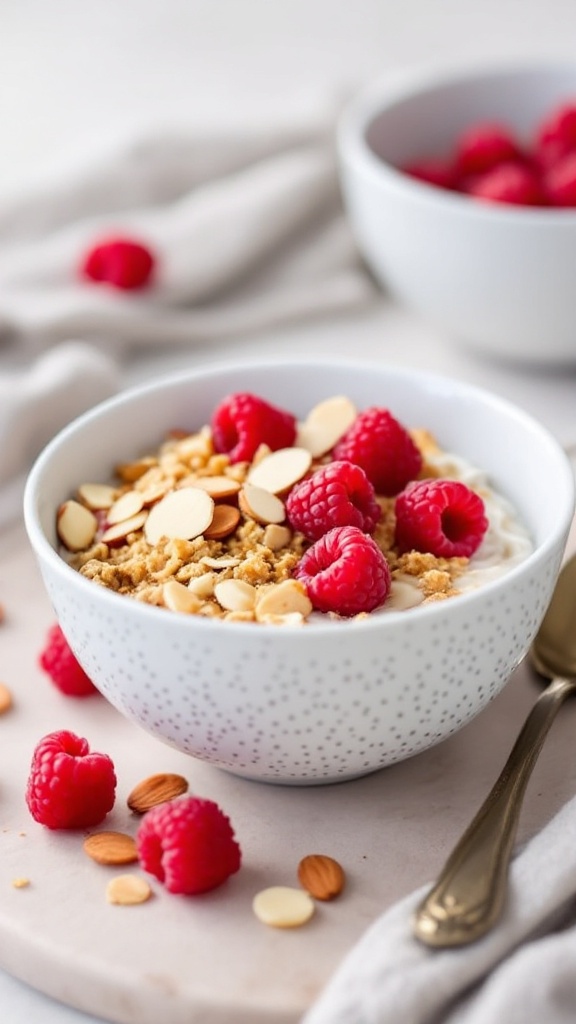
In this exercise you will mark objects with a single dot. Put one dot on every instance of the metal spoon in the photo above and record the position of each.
(469, 895)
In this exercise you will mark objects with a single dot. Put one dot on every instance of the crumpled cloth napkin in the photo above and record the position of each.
(247, 227)
(523, 972)
(248, 231)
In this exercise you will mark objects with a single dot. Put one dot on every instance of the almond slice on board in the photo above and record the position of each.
(111, 848)
(261, 505)
(76, 525)
(280, 470)
(325, 424)
(180, 515)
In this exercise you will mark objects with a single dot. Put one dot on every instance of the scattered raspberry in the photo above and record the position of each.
(443, 517)
(188, 844)
(69, 787)
(60, 664)
(378, 443)
(483, 146)
(434, 172)
(120, 262)
(338, 494)
(560, 182)
(508, 183)
(345, 572)
(243, 421)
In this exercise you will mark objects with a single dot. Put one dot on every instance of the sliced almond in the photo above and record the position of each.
(283, 599)
(125, 507)
(111, 848)
(261, 505)
(224, 522)
(224, 562)
(76, 525)
(180, 515)
(276, 537)
(235, 595)
(179, 598)
(97, 496)
(321, 876)
(325, 424)
(282, 906)
(5, 699)
(118, 533)
(280, 470)
(288, 619)
(203, 586)
(155, 491)
(132, 471)
(218, 486)
(156, 789)
(128, 890)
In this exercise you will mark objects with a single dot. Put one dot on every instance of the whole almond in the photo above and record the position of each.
(156, 789)
(321, 876)
(111, 848)
(5, 698)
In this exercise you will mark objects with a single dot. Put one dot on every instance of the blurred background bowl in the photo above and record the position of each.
(329, 700)
(493, 276)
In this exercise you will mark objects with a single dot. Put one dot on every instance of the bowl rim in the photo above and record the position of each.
(386, 92)
(46, 553)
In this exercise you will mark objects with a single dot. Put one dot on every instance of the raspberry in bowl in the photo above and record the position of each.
(460, 188)
(318, 692)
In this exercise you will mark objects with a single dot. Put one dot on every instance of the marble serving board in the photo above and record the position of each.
(208, 959)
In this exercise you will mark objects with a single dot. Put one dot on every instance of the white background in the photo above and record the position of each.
(74, 70)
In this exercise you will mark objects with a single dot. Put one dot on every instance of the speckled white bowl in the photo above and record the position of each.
(327, 701)
(495, 277)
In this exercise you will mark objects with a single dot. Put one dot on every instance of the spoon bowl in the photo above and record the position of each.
(470, 893)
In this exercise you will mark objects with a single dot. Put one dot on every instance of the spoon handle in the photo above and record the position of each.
(469, 895)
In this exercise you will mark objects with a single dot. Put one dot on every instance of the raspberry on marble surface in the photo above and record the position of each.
(69, 786)
(60, 664)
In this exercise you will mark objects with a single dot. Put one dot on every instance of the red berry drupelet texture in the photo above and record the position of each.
(338, 494)
(122, 263)
(242, 422)
(508, 183)
(188, 844)
(383, 448)
(345, 572)
(443, 517)
(69, 786)
(60, 664)
(483, 146)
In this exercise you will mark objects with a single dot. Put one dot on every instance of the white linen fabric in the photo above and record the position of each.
(522, 972)
(248, 231)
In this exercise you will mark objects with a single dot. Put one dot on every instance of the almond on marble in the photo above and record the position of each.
(156, 789)
(111, 848)
(5, 699)
(321, 876)
(128, 890)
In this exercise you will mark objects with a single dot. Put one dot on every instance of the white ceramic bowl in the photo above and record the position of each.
(493, 276)
(328, 701)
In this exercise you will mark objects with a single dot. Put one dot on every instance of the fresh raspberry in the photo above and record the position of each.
(560, 182)
(508, 183)
(188, 844)
(558, 127)
(443, 517)
(338, 494)
(58, 661)
(433, 172)
(120, 262)
(378, 443)
(242, 422)
(483, 146)
(345, 572)
(68, 786)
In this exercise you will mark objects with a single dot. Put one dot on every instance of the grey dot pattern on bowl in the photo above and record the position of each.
(303, 709)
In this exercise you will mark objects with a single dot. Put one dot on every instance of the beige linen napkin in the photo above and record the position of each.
(523, 972)
(248, 231)
(247, 228)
